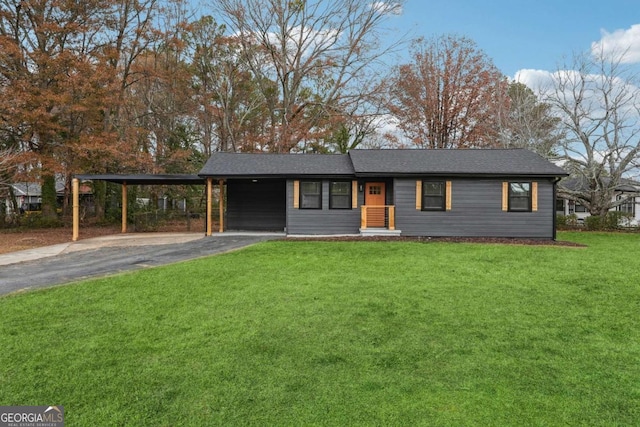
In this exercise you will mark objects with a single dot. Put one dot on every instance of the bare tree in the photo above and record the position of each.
(599, 104)
(231, 108)
(530, 123)
(450, 95)
(8, 164)
(311, 58)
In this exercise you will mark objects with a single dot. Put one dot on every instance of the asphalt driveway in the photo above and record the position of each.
(76, 263)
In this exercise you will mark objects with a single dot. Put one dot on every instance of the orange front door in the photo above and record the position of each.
(374, 198)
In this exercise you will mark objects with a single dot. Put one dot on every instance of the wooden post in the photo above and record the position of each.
(505, 196)
(209, 207)
(124, 206)
(221, 184)
(76, 208)
(354, 194)
(296, 194)
(392, 217)
(363, 217)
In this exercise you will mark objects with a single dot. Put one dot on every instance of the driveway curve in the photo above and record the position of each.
(105, 256)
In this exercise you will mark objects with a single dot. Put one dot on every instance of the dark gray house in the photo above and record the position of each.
(463, 193)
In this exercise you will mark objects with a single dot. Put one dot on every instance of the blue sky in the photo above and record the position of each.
(527, 35)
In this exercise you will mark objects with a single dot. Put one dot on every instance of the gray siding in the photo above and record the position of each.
(256, 206)
(476, 211)
(321, 221)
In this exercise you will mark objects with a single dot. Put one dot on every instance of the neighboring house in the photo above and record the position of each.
(29, 196)
(628, 189)
(462, 193)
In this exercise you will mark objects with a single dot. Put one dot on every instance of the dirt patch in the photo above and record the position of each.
(21, 239)
(18, 240)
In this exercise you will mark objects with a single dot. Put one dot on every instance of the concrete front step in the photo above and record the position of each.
(379, 232)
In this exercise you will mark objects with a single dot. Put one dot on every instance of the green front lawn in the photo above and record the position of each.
(340, 333)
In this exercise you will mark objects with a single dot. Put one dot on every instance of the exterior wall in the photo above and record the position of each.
(256, 206)
(635, 220)
(476, 211)
(321, 221)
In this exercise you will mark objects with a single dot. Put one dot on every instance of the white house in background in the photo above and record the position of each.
(29, 196)
(627, 189)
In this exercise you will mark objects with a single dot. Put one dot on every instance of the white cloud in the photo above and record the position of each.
(620, 42)
(300, 42)
(545, 83)
(386, 124)
(563, 84)
(387, 7)
(536, 80)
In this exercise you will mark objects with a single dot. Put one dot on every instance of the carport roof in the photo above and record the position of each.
(146, 179)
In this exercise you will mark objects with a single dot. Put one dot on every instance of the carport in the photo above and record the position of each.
(147, 179)
(256, 204)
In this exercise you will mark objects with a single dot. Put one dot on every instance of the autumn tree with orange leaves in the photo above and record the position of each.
(66, 70)
(449, 96)
(46, 68)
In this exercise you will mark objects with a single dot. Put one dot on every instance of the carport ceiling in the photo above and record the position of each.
(144, 179)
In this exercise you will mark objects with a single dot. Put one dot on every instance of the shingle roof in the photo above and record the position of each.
(581, 184)
(34, 188)
(382, 163)
(453, 162)
(238, 165)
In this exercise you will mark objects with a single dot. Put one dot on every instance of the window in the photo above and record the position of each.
(311, 195)
(433, 195)
(340, 195)
(520, 196)
(629, 206)
(375, 189)
(560, 205)
(579, 208)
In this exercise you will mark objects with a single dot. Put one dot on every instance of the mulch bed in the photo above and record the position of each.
(483, 240)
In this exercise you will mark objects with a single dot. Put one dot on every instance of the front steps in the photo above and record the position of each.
(372, 231)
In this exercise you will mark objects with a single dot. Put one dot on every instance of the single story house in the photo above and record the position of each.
(29, 196)
(463, 193)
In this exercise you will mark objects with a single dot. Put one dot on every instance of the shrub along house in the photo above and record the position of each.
(462, 193)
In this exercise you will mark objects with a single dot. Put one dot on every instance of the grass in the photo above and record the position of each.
(340, 333)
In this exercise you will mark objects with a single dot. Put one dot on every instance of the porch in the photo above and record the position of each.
(378, 220)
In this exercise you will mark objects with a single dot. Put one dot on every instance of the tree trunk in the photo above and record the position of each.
(99, 198)
(15, 209)
(49, 196)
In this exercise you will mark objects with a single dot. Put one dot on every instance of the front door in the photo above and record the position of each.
(375, 200)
